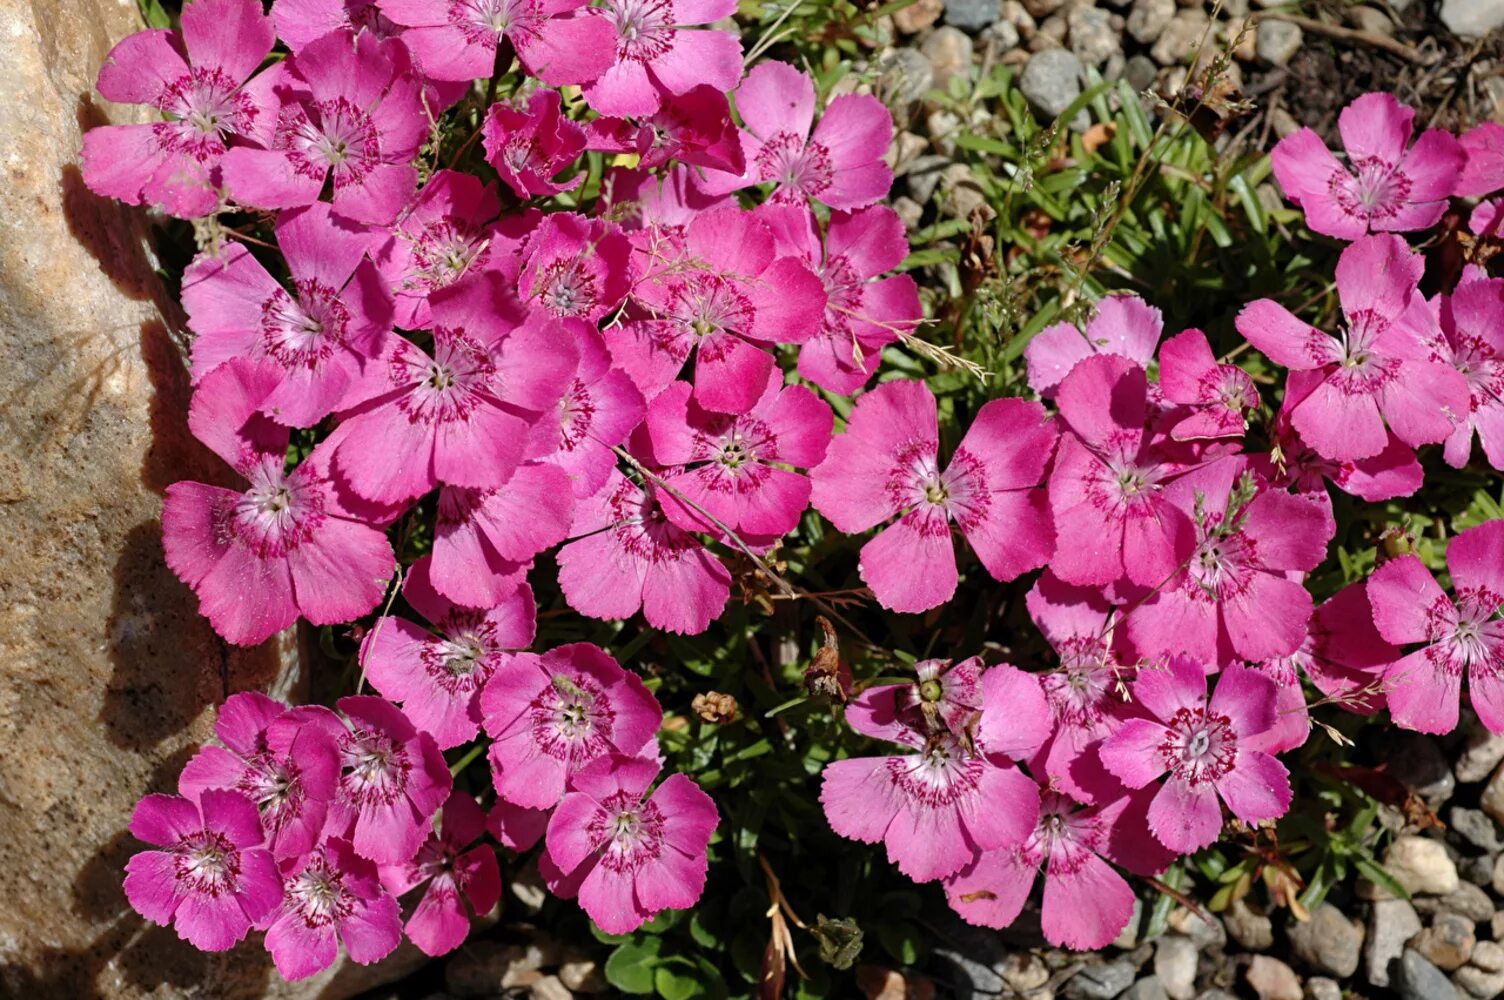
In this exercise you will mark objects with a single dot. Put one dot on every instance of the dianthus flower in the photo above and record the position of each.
(694, 128)
(1210, 400)
(302, 21)
(1384, 187)
(463, 415)
(1122, 325)
(864, 311)
(654, 56)
(1472, 341)
(394, 780)
(575, 268)
(456, 873)
(1484, 171)
(351, 111)
(628, 555)
(212, 879)
(284, 760)
(548, 716)
(529, 147)
(329, 895)
(945, 696)
(561, 42)
(839, 164)
(437, 677)
(196, 77)
(1460, 635)
(733, 466)
(320, 335)
(887, 463)
(627, 854)
(1379, 369)
(484, 540)
(1204, 747)
(599, 409)
(290, 543)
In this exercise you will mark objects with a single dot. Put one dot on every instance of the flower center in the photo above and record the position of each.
(206, 862)
(330, 136)
(801, 170)
(644, 28)
(318, 894)
(207, 107)
(572, 718)
(1200, 747)
(627, 831)
(1376, 190)
(377, 768)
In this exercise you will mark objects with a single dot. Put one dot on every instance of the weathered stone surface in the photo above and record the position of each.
(1329, 941)
(1272, 979)
(110, 674)
(1391, 922)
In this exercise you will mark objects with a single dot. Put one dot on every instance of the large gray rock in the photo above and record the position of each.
(1051, 82)
(1472, 18)
(1329, 942)
(1417, 979)
(110, 673)
(1391, 922)
(972, 15)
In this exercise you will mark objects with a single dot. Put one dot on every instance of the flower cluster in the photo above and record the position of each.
(450, 356)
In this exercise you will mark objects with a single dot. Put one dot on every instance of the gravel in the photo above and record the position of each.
(1278, 41)
(1391, 922)
(1051, 81)
(1417, 979)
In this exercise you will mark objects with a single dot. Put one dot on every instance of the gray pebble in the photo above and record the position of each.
(1051, 81)
(1148, 19)
(1329, 941)
(1175, 967)
(1278, 41)
(1474, 826)
(1391, 922)
(1416, 979)
(1093, 39)
(1145, 989)
(949, 52)
(1101, 982)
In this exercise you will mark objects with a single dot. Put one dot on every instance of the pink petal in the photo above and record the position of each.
(1247, 699)
(1132, 753)
(910, 567)
(1402, 593)
(1257, 788)
(1183, 818)
(1016, 719)
(231, 35)
(1086, 907)
(776, 97)
(1376, 125)
(1476, 558)
(1421, 696)
(991, 891)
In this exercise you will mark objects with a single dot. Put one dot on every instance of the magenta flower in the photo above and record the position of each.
(1384, 187)
(1472, 341)
(1210, 399)
(887, 464)
(839, 164)
(1086, 902)
(319, 336)
(394, 780)
(212, 879)
(485, 540)
(351, 112)
(463, 415)
(196, 78)
(1461, 634)
(1204, 747)
(517, 828)
(654, 56)
(599, 409)
(662, 205)
(627, 555)
(627, 854)
(530, 147)
(291, 543)
(561, 42)
(864, 312)
(1379, 369)
(694, 128)
(576, 268)
(1238, 597)
(936, 809)
(329, 895)
(284, 760)
(551, 715)
(945, 696)
(733, 467)
(445, 235)
(1123, 325)
(437, 677)
(302, 21)
(727, 300)
(456, 873)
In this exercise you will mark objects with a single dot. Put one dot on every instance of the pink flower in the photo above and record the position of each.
(560, 42)
(1484, 171)
(196, 77)
(1472, 341)
(319, 336)
(484, 540)
(439, 924)
(212, 879)
(887, 464)
(694, 128)
(938, 808)
(302, 21)
(1123, 325)
(291, 543)
(627, 854)
(1380, 368)
(1204, 747)
(551, 715)
(599, 409)
(446, 235)
(627, 555)
(1086, 902)
(350, 111)
(1461, 634)
(840, 164)
(726, 299)
(655, 55)
(437, 678)
(864, 312)
(1238, 597)
(1108, 486)
(394, 780)
(734, 466)
(944, 697)
(1384, 187)
(284, 760)
(575, 268)
(529, 148)
(330, 895)
(1211, 399)
(516, 828)
(666, 204)
(462, 416)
